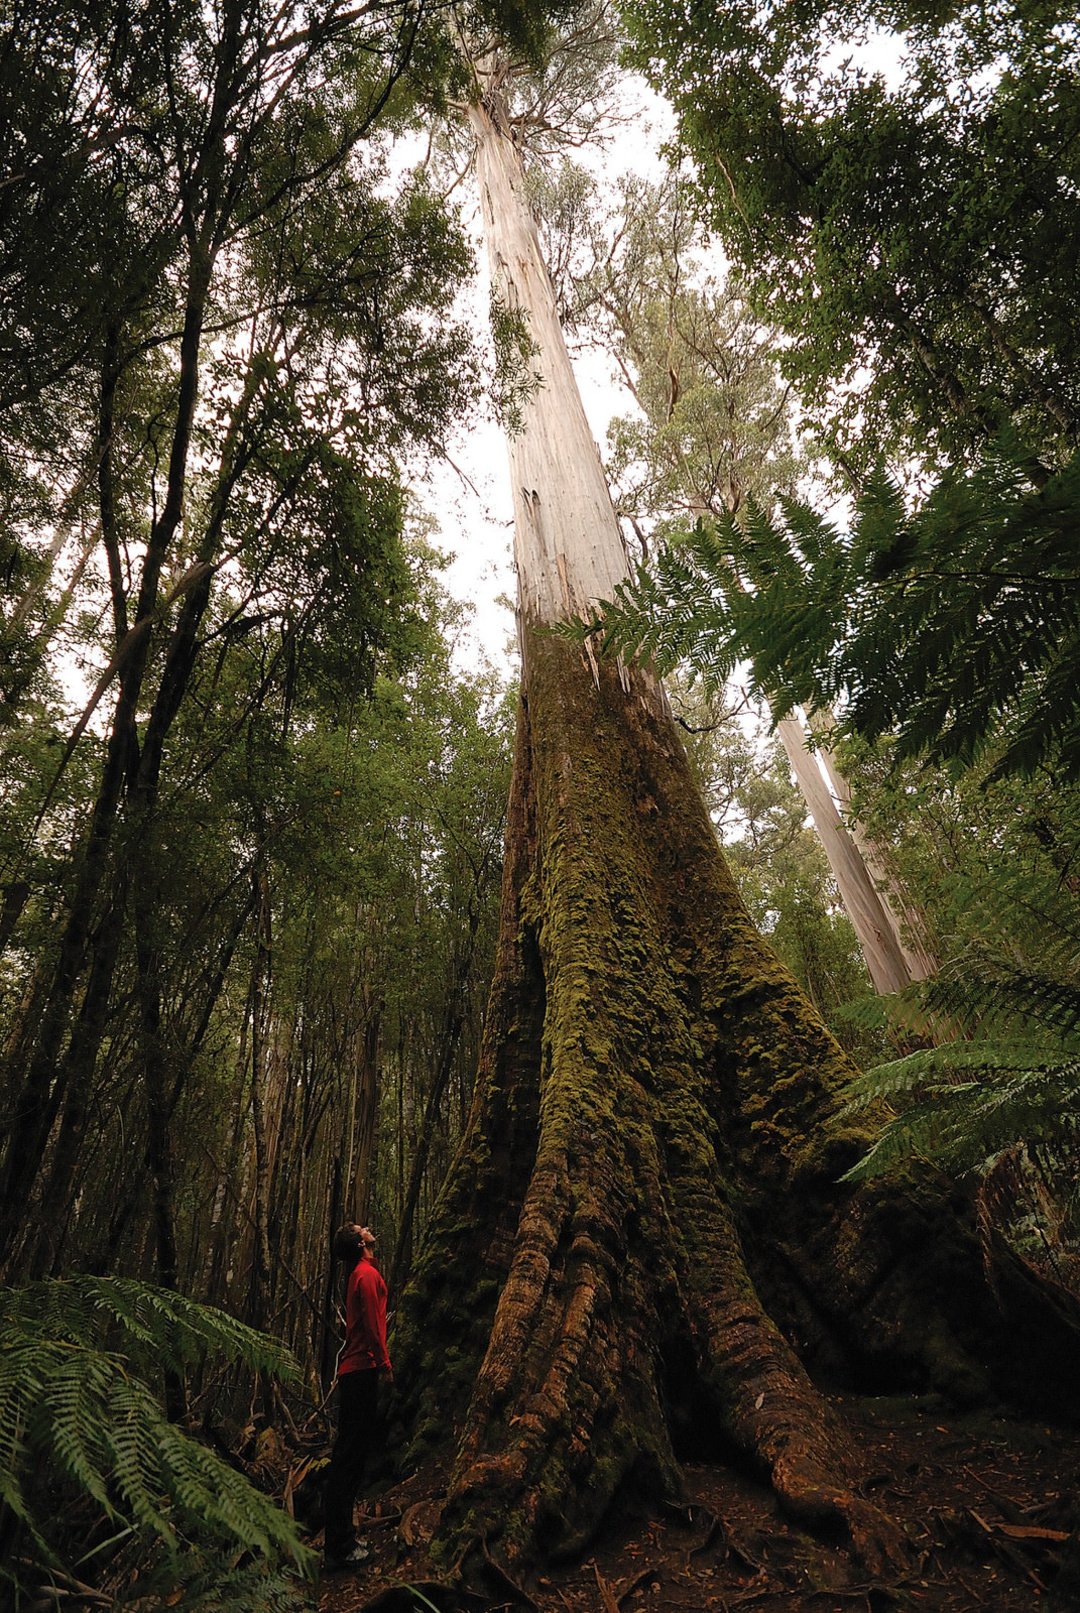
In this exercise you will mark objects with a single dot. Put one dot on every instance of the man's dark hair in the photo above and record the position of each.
(347, 1244)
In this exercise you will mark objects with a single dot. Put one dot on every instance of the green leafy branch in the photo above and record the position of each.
(954, 627)
(515, 380)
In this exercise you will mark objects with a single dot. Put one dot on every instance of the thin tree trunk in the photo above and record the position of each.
(1042, 393)
(335, 1212)
(73, 1086)
(261, 1053)
(878, 936)
(448, 1046)
(159, 1149)
(909, 922)
(864, 885)
(39, 1094)
(364, 1118)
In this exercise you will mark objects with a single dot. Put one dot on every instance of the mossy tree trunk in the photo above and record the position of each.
(642, 1246)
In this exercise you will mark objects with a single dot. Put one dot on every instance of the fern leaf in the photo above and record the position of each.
(83, 1412)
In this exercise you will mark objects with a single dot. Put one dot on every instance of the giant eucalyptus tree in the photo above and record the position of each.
(642, 1245)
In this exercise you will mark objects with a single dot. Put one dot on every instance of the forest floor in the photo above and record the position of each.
(991, 1505)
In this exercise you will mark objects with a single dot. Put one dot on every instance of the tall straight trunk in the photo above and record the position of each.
(69, 1101)
(41, 1092)
(261, 1060)
(449, 1039)
(364, 1053)
(644, 1228)
(225, 1240)
(908, 921)
(160, 1153)
(878, 936)
(325, 1344)
(567, 545)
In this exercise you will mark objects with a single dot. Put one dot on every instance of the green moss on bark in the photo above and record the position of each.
(648, 1181)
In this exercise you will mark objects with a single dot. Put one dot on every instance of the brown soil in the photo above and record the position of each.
(989, 1504)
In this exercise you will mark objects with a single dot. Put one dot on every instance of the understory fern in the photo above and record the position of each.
(79, 1362)
(1013, 1085)
(954, 627)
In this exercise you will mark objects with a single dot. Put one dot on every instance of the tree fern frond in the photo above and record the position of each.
(954, 627)
(1021, 1094)
(154, 1327)
(979, 997)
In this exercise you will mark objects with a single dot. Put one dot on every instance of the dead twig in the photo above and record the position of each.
(630, 1585)
(606, 1596)
(1003, 1501)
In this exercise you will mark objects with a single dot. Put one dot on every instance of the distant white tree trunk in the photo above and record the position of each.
(907, 921)
(892, 965)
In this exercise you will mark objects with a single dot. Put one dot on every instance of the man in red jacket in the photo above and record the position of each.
(362, 1359)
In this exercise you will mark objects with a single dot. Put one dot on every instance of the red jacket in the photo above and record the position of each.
(365, 1321)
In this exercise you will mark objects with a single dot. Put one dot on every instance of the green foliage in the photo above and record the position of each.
(955, 627)
(231, 329)
(993, 866)
(910, 230)
(211, 1585)
(515, 380)
(1015, 1084)
(79, 1359)
(711, 425)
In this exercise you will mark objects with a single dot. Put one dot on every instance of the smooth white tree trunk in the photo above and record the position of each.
(907, 921)
(568, 546)
(880, 940)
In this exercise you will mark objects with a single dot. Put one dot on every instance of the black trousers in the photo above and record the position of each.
(358, 1399)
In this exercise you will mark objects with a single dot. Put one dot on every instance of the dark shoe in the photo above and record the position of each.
(352, 1559)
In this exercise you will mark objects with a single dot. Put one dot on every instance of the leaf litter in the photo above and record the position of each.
(989, 1504)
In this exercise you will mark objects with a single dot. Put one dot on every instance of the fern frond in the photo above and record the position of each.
(84, 1412)
(1019, 1095)
(954, 627)
(155, 1328)
(980, 997)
